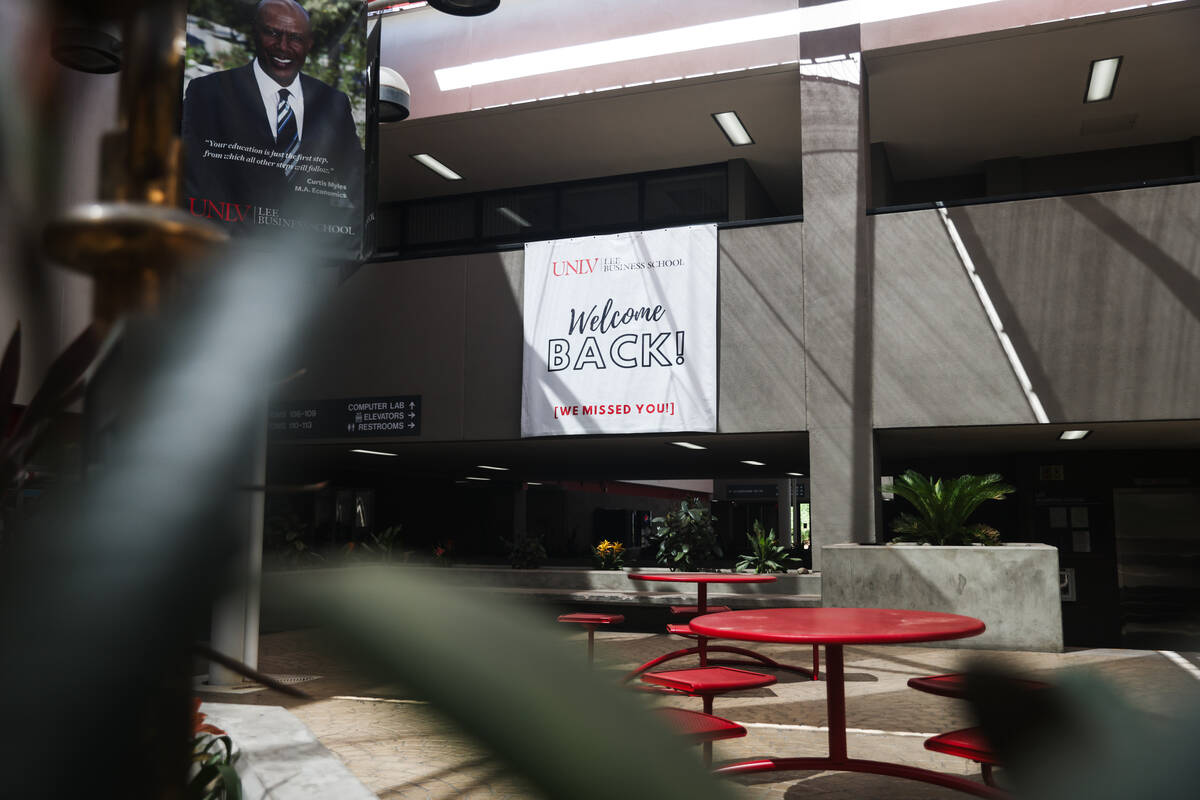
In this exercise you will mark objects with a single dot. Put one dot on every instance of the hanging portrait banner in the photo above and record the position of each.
(276, 114)
(621, 333)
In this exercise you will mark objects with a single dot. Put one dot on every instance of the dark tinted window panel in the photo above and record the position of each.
(437, 221)
(600, 205)
(686, 196)
(518, 214)
(389, 232)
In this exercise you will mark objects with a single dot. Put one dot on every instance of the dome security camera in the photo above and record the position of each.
(393, 96)
(87, 46)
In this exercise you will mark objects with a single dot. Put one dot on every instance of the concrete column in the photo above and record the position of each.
(235, 617)
(838, 295)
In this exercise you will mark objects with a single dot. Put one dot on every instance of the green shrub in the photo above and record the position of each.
(943, 508)
(686, 537)
(766, 554)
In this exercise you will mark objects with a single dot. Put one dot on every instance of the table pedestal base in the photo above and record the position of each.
(766, 661)
(861, 765)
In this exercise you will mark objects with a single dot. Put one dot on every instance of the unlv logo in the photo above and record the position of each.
(226, 212)
(579, 266)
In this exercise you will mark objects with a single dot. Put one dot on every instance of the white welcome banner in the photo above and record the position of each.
(621, 333)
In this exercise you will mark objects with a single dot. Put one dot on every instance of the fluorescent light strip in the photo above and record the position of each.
(796, 474)
(1102, 78)
(754, 463)
(513, 217)
(374, 453)
(689, 445)
(732, 127)
(475, 478)
(441, 169)
(693, 37)
(1073, 436)
(485, 466)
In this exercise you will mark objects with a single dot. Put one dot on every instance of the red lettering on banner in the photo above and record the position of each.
(580, 266)
(224, 211)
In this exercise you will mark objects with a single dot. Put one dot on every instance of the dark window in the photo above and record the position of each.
(519, 214)
(686, 196)
(438, 221)
(600, 205)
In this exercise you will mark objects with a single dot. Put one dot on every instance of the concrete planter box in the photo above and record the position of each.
(1012, 588)
(562, 585)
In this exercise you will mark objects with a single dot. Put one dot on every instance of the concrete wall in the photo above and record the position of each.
(1013, 589)
(1099, 293)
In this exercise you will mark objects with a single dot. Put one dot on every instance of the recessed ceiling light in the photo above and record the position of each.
(1069, 436)
(533, 483)
(498, 469)
(374, 453)
(476, 478)
(733, 128)
(754, 463)
(513, 217)
(441, 169)
(1102, 78)
(796, 474)
(689, 445)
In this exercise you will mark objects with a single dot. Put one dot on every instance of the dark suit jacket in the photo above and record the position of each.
(223, 114)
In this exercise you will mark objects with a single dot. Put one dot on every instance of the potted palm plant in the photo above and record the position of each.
(935, 563)
(944, 507)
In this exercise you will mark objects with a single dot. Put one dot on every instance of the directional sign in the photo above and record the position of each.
(354, 417)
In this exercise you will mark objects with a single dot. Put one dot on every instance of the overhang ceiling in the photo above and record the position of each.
(644, 128)
(653, 457)
(942, 108)
(559, 458)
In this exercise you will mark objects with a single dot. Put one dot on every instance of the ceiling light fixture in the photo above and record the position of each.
(485, 466)
(475, 478)
(689, 446)
(796, 474)
(1102, 77)
(374, 453)
(754, 463)
(1071, 436)
(732, 127)
(432, 163)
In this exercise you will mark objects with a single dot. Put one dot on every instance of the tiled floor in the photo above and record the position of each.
(399, 746)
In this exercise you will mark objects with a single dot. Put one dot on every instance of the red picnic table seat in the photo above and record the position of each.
(706, 683)
(968, 743)
(699, 727)
(589, 621)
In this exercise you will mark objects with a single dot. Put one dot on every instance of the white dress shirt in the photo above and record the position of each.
(269, 90)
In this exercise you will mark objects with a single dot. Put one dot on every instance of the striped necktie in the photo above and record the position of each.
(287, 136)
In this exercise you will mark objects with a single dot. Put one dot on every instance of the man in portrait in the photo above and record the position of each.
(265, 142)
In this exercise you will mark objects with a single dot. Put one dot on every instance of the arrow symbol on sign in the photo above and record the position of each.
(411, 425)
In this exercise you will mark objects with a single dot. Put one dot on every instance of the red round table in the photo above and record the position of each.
(702, 649)
(834, 628)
